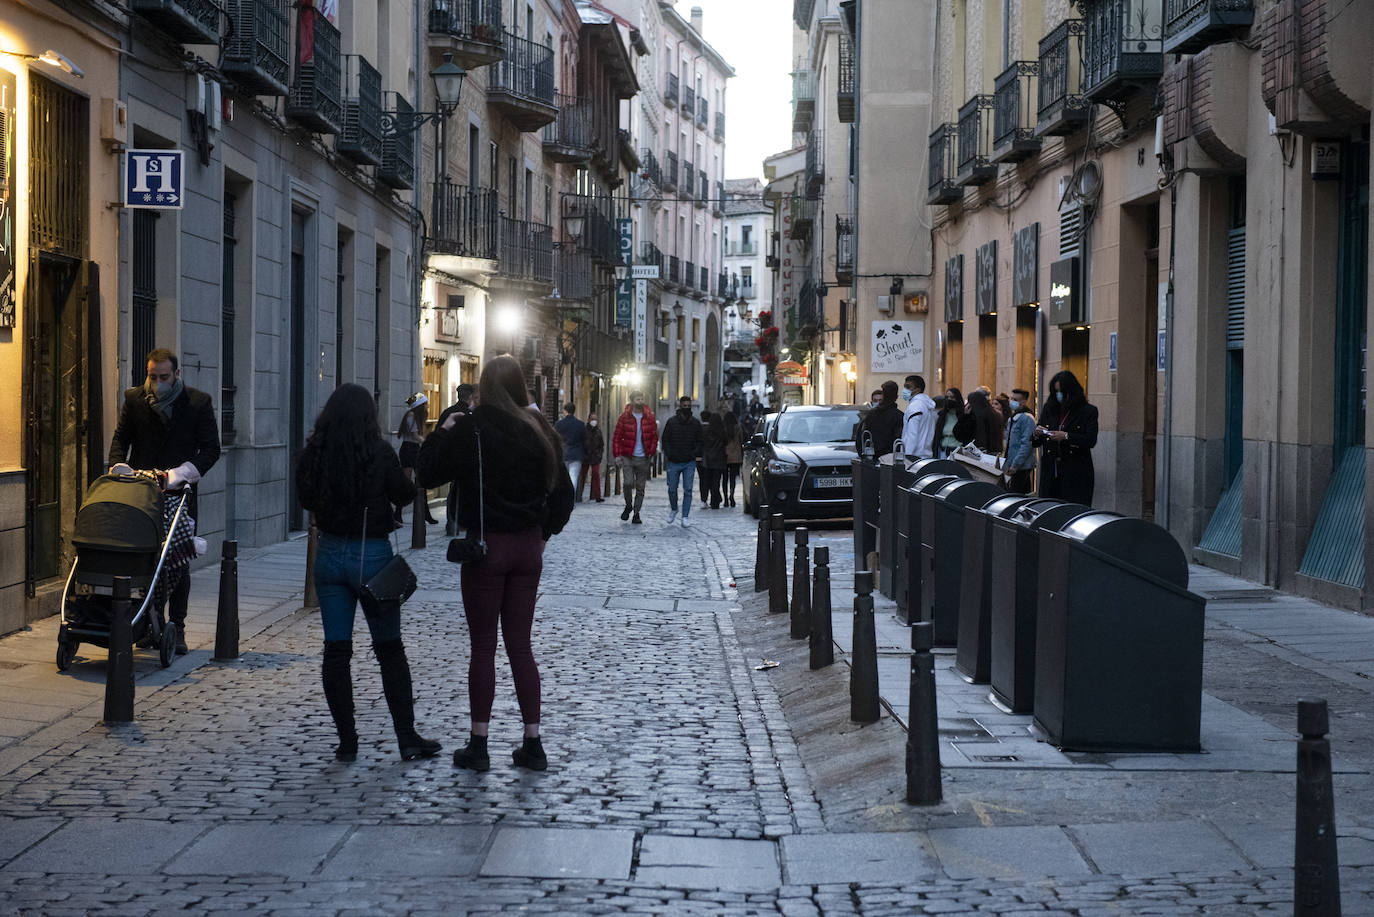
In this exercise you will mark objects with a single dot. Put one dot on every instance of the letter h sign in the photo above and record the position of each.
(154, 179)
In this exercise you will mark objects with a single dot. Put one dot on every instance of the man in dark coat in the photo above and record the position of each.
(883, 423)
(166, 425)
(574, 433)
(462, 404)
(594, 454)
(681, 442)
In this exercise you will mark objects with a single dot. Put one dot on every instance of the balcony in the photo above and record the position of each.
(1013, 101)
(192, 22)
(720, 125)
(814, 174)
(601, 235)
(674, 271)
(975, 142)
(601, 351)
(689, 103)
(808, 309)
(649, 169)
(360, 136)
(944, 166)
(801, 13)
(803, 100)
(1062, 107)
(803, 218)
(468, 29)
(670, 91)
(1191, 25)
(844, 249)
(723, 287)
(521, 84)
(574, 274)
(689, 179)
(397, 168)
(746, 291)
(705, 285)
(463, 221)
(526, 254)
(255, 52)
(718, 201)
(670, 172)
(661, 353)
(316, 99)
(689, 274)
(741, 248)
(703, 189)
(628, 157)
(649, 254)
(1123, 47)
(844, 92)
(569, 137)
(703, 113)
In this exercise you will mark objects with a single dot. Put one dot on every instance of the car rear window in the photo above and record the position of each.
(817, 427)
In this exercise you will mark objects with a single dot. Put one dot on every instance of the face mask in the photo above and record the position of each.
(1059, 396)
(685, 412)
(591, 423)
(907, 394)
(1014, 404)
(876, 403)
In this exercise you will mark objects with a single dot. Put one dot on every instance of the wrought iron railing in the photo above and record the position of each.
(720, 125)
(397, 168)
(814, 171)
(975, 141)
(1014, 112)
(526, 71)
(703, 113)
(572, 129)
(670, 171)
(464, 221)
(649, 169)
(574, 279)
(670, 90)
(1123, 44)
(723, 286)
(943, 165)
(689, 274)
(470, 20)
(674, 270)
(1062, 103)
(360, 135)
(801, 13)
(803, 212)
(188, 21)
(705, 285)
(844, 90)
(689, 101)
(255, 49)
(316, 99)
(1191, 25)
(649, 254)
(526, 251)
(803, 99)
(703, 188)
(689, 179)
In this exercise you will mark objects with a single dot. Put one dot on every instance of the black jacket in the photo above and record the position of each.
(713, 446)
(1066, 470)
(384, 486)
(884, 425)
(681, 440)
(144, 440)
(514, 495)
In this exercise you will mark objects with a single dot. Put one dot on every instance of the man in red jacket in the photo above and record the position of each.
(635, 440)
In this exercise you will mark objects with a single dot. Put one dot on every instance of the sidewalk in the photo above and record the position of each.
(683, 780)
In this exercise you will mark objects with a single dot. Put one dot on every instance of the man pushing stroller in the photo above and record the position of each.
(165, 424)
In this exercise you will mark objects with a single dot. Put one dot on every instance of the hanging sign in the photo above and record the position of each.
(154, 179)
(898, 347)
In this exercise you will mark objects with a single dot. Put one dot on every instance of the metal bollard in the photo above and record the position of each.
(863, 665)
(761, 552)
(822, 636)
(418, 511)
(801, 585)
(227, 615)
(312, 543)
(119, 670)
(923, 728)
(1316, 873)
(777, 566)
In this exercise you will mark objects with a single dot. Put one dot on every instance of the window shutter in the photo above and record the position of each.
(1235, 289)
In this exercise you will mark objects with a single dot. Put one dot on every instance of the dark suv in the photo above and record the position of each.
(801, 466)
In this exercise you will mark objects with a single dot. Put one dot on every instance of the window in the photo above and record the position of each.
(474, 157)
(529, 194)
(510, 187)
(493, 168)
(746, 234)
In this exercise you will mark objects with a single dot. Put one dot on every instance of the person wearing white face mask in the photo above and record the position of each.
(1020, 454)
(595, 452)
(918, 422)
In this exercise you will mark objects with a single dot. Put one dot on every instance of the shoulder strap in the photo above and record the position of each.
(481, 496)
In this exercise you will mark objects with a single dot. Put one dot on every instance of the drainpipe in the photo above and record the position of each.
(1164, 500)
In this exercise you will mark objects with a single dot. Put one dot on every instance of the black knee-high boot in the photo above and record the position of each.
(391, 658)
(337, 675)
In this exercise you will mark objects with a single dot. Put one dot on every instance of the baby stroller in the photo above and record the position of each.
(127, 526)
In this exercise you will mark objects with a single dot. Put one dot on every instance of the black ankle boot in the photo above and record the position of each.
(531, 755)
(473, 755)
(391, 658)
(337, 674)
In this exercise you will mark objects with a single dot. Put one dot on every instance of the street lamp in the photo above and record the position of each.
(574, 222)
(508, 320)
(448, 84)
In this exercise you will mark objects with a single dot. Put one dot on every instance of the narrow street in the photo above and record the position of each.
(682, 779)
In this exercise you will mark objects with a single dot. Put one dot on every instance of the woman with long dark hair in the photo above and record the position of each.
(951, 424)
(987, 425)
(734, 455)
(1068, 431)
(513, 458)
(351, 479)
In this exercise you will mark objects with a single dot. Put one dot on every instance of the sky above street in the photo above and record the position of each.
(755, 36)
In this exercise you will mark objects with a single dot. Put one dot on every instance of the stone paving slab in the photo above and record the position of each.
(107, 845)
(568, 853)
(878, 857)
(1156, 848)
(409, 850)
(1027, 852)
(704, 862)
(259, 849)
(18, 834)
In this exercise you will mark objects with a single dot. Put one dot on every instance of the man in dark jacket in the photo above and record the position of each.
(883, 423)
(594, 454)
(574, 433)
(166, 425)
(681, 442)
(462, 404)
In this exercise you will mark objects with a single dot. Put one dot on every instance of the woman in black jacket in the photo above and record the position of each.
(1068, 431)
(953, 425)
(987, 426)
(513, 458)
(351, 479)
(883, 424)
(713, 456)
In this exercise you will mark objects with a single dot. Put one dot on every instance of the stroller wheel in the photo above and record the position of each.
(167, 646)
(66, 649)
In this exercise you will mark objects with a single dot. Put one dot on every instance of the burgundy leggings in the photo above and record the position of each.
(501, 587)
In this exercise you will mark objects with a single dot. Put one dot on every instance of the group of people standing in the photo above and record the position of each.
(1003, 425)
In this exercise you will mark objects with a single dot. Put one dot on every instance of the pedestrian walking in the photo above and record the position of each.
(987, 425)
(681, 443)
(574, 433)
(411, 432)
(713, 456)
(462, 403)
(513, 458)
(1068, 432)
(918, 421)
(734, 456)
(633, 443)
(1020, 463)
(350, 479)
(882, 423)
(595, 446)
(166, 425)
(703, 479)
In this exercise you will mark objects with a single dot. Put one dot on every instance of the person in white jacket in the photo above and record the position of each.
(918, 423)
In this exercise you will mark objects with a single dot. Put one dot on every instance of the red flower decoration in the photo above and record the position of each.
(769, 358)
(772, 331)
(760, 341)
(765, 318)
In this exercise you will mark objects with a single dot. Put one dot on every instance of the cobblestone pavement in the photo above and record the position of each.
(680, 781)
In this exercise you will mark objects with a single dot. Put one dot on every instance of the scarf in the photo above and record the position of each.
(162, 401)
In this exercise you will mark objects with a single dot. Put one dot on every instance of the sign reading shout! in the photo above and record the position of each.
(898, 347)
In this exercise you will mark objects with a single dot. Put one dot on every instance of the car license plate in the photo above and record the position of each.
(837, 480)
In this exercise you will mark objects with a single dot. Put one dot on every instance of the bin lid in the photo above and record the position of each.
(1047, 514)
(1134, 542)
(939, 466)
(1003, 505)
(967, 493)
(929, 483)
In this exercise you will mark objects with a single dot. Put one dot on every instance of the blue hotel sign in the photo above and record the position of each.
(154, 179)
(624, 289)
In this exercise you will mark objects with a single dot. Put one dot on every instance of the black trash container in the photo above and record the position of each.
(942, 552)
(865, 510)
(906, 577)
(919, 578)
(1012, 582)
(892, 474)
(973, 659)
(1118, 644)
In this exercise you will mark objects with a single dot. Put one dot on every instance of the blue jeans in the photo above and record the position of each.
(685, 471)
(342, 565)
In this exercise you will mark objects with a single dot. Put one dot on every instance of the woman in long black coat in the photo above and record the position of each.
(1068, 432)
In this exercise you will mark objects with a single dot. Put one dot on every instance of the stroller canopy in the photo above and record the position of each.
(121, 514)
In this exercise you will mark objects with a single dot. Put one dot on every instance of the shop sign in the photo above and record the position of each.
(898, 347)
(1025, 266)
(154, 179)
(1066, 301)
(985, 275)
(1326, 160)
(7, 196)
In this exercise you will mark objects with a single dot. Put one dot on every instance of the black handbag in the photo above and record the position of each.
(392, 584)
(465, 549)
